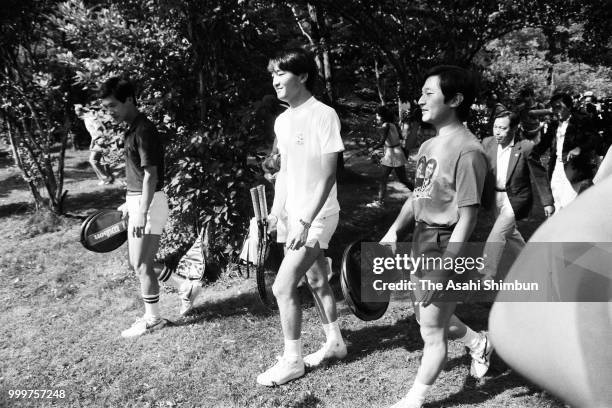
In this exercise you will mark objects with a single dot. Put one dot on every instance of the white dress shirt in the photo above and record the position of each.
(503, 159)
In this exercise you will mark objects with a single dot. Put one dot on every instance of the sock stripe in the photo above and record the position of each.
(150, 298)
(165, 274)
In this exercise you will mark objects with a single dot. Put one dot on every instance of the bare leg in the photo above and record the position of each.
(294, 266)
(321, 291)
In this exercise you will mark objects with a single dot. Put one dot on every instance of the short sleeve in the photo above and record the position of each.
(149, 146)
(331, 141)
(470, 177)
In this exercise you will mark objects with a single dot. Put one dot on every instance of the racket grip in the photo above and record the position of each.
(261, 192)
(255, 201)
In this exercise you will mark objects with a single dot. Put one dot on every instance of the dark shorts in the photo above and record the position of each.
(431, 242)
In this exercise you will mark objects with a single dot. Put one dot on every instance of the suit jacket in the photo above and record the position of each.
(578, 134)
(524, 170)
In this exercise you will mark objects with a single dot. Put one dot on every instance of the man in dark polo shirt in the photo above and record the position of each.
(146, 204)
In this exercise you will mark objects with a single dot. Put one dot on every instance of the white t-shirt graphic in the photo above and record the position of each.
(305, 134)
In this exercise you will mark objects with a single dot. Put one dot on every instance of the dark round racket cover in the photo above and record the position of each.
(104, 231)
(351, 281)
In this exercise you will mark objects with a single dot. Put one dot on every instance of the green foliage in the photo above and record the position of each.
(34, 97)
(522, 59)
(200, 69)
(187, 59)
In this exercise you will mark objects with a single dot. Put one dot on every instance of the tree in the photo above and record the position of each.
(34, 99)
(413, 36)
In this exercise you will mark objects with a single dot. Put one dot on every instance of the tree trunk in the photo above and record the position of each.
(381, 94)
(24, 172)
(321, 35)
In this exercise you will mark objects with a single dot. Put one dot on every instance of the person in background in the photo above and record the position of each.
(573, 147)
(96, 148)
(514, 172)
(393, 159)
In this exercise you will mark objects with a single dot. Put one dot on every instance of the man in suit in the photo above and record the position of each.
(572, 148)
(514, 169)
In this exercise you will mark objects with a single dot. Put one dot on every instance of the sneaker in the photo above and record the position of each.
(282, 372)
(144, 325)
(375, 204)
(101, 182)
(188, 292)
(481, 356)
(407, 403)
(325, 353)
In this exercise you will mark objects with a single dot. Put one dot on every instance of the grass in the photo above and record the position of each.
(63, 309)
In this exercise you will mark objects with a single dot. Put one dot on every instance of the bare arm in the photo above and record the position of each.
(329, 162)
(383, 137)
(280, 189)
(149, 182)
(405, 217)
(462, 231)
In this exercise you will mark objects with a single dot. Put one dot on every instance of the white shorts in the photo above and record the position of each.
(157, 214)
(321, 231)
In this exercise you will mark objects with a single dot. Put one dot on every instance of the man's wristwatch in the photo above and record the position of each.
(305, 224)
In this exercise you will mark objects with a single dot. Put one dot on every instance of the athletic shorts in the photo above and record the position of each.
(431, 242)
(321, 231)
(157, 214)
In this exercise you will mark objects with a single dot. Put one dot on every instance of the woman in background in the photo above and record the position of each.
(394, 158)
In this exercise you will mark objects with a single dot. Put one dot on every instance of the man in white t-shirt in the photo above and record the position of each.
(309, 141)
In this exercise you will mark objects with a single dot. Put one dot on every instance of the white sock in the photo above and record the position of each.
(418, 391)
(471, 338)
(332, 332)
(293, 349)
(151, 303)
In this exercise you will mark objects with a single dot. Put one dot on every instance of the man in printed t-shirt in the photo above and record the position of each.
(445, 206)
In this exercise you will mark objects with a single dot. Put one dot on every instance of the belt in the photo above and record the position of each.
(395, 145)
(500, 190)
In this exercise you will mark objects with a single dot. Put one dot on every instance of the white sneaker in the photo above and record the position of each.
(144, 325)
(188, 292)
(282, 372)
(407, 403)
(325, 353)
(481, 356)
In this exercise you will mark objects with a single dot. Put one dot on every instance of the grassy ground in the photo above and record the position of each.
(64, 307)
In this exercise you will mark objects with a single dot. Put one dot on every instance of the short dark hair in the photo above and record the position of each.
(297, 61)
(120, 88)
(385, 114)
(565, 98)
(514, 118)
(456, 80)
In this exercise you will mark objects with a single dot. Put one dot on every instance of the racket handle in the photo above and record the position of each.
(263, 206)
(255, 202)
